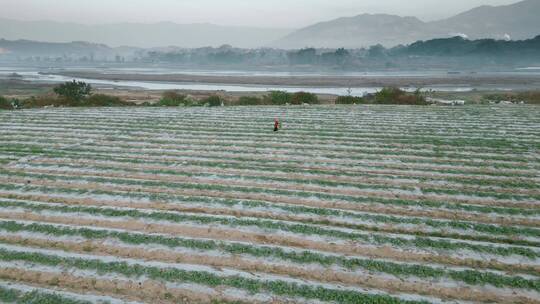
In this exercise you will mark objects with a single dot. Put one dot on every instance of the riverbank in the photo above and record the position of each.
(23, 89)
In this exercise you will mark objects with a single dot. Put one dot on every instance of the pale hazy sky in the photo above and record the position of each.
(260, 13)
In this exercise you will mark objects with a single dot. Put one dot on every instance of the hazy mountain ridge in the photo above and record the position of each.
(343, 32)
(141, 35)
(516, 21)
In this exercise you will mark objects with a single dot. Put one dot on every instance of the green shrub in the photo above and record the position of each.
(278, 98)
(73, 90)
(300, 98)
(102, 100)
(349, 100)
(213, 101)
(250, 101)
(5, 104)
(398, 96)
(16, 103)
(172, 99)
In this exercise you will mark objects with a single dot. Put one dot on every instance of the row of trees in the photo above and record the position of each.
(450, 50)
(227, 55)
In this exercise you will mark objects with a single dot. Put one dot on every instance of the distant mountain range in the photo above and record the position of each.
(53, 51)
(141, 35)
(517, 21)
(32, 48)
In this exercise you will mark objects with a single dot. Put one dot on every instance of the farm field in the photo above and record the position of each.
(360, 204)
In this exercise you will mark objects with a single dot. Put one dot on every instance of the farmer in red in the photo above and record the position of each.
(276, 125)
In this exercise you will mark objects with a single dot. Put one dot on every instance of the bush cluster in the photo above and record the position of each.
(532, 97)
(5, 104)
(298, 98)
(73, 90)
(301, 98)
(175, 99)
(172, 99)
(391, 95)
(278, 98)
(213, 101)
(349, 100)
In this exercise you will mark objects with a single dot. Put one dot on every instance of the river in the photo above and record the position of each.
(35, 74)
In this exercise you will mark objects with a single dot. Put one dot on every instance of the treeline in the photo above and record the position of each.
(451, 52)
(459, 46)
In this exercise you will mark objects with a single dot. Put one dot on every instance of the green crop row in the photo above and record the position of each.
(254, 130)
(253, 286)
(357, 156)
(380, 149)
(417, 242)
(289, 193)
(376, 218)
(470, 180)
(485, 228)
(292, 162)
(302, 257)
(9, 296)
(239, 126)
(479, 179)
(325, 212)
(315, 182)
(478, 171)
(377, 155)
(357, 153)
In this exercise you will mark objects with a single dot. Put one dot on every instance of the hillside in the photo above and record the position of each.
(140, 35)
(53, 51)
(516, 21)
(345, 32)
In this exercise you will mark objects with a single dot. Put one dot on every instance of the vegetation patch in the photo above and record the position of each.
(15, 296)
(301, 98)
(5, 104)
(348, 100)
(397, 96)
(529, 97)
